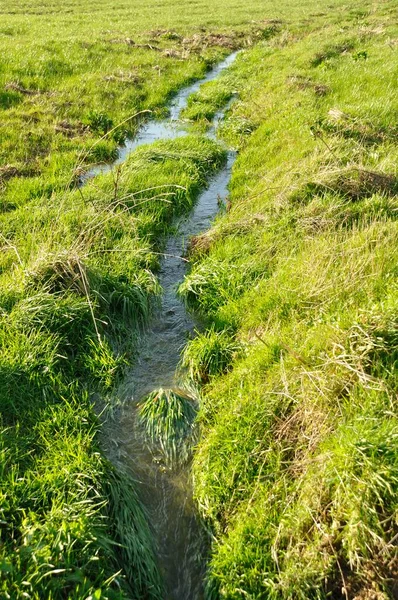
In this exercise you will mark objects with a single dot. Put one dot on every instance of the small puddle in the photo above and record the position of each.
(167, 494)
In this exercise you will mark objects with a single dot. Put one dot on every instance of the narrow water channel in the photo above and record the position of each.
(166, 493)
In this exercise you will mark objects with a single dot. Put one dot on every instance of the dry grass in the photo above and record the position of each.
(301, 82)
(63, 272)
(362, 130)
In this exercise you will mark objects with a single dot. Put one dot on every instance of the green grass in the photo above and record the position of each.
(78, 280)
(203, 105)
(168, 421)
(209, 354)
(296, 469)
(94, 67)
(78, 283)
(59, 496)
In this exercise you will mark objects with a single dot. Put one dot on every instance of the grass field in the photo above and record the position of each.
(296, 468)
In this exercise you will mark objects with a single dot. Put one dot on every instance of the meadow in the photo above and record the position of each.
(296, 467)
(295, 471)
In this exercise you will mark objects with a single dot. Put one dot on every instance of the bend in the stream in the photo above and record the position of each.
(165, 129)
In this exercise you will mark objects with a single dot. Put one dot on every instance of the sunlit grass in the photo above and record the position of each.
(167, 417)
(78, 284)
(296, 469)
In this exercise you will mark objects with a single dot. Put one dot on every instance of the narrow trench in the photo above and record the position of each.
(167, 493)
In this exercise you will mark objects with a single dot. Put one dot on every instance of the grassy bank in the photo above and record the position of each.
(296, 471)
(78, 278)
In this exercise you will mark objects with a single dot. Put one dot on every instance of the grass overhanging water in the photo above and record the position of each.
(85, 289)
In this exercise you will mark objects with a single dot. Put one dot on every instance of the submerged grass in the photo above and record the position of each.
(167, 417)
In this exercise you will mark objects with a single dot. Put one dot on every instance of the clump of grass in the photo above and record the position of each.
(102, 124)
(168, 419)
(104, 151)
(209, 354)
(223, 277)
(204, 104)
(305, 83)
(65, 272)
(236, 129)
(357, 128)
(356, 183)
(100, 362)
(200, 244)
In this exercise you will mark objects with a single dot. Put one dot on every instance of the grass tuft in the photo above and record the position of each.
(168, 419)
(209, 354)
(332, 51)
(352, 183)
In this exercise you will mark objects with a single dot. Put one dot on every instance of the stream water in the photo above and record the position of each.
(165, 493)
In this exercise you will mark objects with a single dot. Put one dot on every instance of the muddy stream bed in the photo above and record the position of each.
(167, 493)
